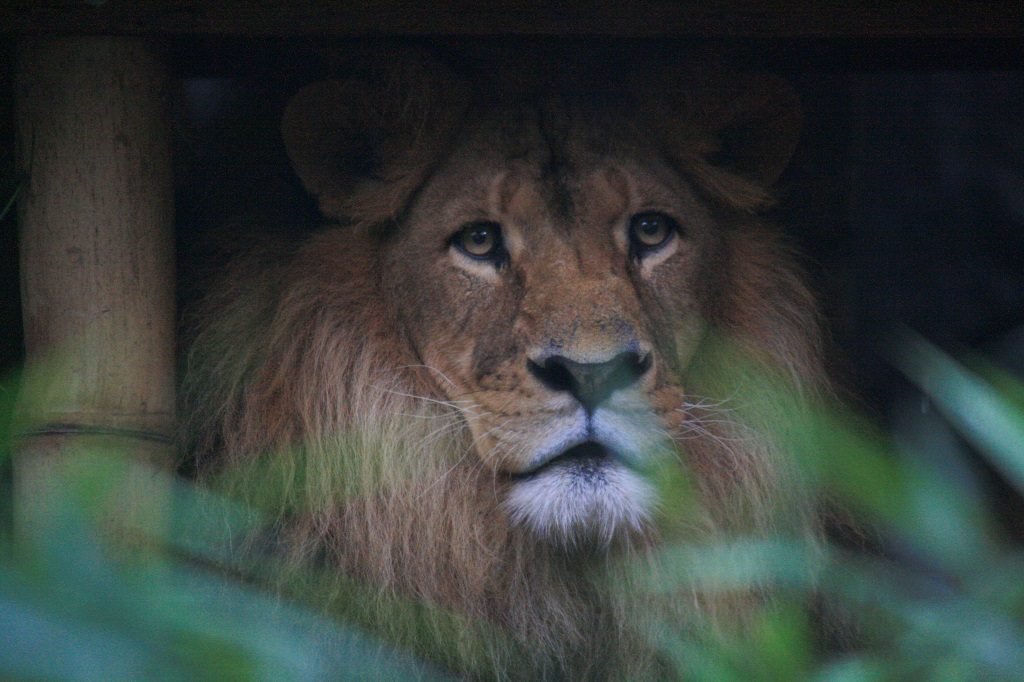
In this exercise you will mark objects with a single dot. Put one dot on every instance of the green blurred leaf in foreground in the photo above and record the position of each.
(945, 600)
(987, 417)
(74, 607)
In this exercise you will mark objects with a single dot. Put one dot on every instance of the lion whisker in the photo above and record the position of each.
(465, 453)
(435, 370)
(426, 399)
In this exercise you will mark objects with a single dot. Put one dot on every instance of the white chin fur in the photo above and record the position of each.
(564, 505)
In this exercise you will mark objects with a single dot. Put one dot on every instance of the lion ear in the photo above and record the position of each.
(754, 121)
(362, 146)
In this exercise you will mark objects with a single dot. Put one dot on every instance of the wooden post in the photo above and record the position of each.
(96, 246)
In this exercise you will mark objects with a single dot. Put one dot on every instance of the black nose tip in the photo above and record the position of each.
(591, 383)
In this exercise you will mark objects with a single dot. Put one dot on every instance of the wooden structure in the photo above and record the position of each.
(642, 18)
(96, 220)
(96, 214)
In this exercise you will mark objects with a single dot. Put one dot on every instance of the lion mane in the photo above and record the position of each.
(309, 366)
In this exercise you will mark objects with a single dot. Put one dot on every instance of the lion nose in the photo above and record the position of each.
(591, 383)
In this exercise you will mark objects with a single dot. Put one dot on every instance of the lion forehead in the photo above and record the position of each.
(535, 182)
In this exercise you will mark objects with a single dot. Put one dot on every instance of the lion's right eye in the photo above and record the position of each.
(480, 240)
(650, 231)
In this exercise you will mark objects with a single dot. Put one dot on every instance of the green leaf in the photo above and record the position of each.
(973, 406)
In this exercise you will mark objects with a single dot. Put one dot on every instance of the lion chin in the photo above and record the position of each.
(462, 388)
(588, 494)
(590, 484)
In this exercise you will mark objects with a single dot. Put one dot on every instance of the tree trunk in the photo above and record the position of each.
(97, 270)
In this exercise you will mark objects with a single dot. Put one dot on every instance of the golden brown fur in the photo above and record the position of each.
(382, 377)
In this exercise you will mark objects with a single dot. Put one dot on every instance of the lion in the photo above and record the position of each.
(467, 382)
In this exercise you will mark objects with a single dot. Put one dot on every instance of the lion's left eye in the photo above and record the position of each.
(650, 231)
(480, 240)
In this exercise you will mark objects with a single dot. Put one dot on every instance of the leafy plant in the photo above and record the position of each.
(937, 596)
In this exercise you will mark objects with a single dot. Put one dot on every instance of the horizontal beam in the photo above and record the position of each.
(640, 18)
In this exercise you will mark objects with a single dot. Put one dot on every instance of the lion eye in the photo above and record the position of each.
(481, 240)
(650, 231)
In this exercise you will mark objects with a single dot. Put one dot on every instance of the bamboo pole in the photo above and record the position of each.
(96, 248)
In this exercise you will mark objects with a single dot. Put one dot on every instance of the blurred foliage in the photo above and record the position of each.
(87, 597)
(76, 605)
(9, 195)
(936, 593)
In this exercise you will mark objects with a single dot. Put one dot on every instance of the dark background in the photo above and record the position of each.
(906, 195)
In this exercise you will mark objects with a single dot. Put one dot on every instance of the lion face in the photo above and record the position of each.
(554, 295)
(551, 265)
